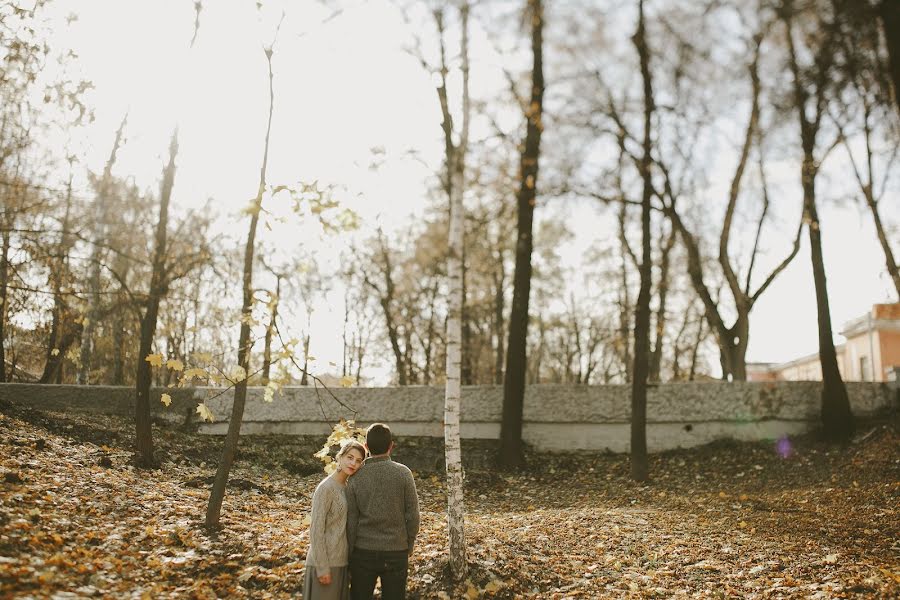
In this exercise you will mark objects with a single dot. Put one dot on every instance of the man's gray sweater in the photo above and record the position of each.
(382, 506)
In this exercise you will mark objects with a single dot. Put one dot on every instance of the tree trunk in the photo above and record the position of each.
(837, 418)
(663, 293)
(499, 329)
(735, 350)
(360, 352)
(158, 288)
(639, 460)
(394, 337)
(890, 20)
(118, 335)
(453, 455)
(625, 300)
(466, 347)
(304, 377)
(4, 290)
(889, 260)
(267, 351)
(217, 494)
(119, 323)
(695, 351)
(511, 450)
(346, 360)
(59, 315)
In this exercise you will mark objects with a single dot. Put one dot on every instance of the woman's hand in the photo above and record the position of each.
(325, 579)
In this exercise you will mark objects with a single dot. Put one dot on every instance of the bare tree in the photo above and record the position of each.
(889, 11)
(862, 107)
(158, 287)
(810, 89)
(639, 460)
(732, 339)
(511, 450)
(455, 184)
(98, 221)
(217, 494)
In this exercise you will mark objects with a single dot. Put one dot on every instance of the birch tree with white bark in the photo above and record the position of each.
(455, 186)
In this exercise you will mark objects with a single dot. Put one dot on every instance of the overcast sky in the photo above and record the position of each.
(344, 87)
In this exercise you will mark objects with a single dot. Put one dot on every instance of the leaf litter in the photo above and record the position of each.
(727, 520)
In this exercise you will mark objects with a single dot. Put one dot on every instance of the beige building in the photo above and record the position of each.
(871, 352)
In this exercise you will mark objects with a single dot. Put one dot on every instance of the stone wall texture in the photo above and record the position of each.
(557, 417)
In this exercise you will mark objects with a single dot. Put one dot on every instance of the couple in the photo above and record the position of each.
(366, 511)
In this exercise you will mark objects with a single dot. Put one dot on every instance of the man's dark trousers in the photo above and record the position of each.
(368, 565)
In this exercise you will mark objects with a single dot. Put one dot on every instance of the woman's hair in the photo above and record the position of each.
(349, 445)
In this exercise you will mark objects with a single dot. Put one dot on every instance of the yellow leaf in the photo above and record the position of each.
(471, 591)
(193, 372)
(155, 360)
(346, 381)
(205, 413)
(493, 586)
(269, 394)
(237, 374)
(252, 207)
(889, 574)
(175, 364)
(166, 399)
(54, 352)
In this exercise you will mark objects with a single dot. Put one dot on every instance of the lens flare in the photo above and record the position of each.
(784, 447)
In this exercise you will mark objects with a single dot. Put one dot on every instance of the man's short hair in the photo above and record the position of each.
(378, 438)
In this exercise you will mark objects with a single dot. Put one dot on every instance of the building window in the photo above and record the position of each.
(865, 369)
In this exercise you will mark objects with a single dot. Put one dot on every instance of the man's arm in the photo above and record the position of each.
(352, 517)
(411, 500)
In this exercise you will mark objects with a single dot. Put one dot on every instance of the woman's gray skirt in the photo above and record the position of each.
(338, 589)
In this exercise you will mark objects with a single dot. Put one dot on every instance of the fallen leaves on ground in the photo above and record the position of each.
(729, 520)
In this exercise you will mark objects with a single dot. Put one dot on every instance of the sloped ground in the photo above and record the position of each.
(727, 520)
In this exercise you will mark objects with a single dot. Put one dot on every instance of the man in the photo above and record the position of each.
(382, 520)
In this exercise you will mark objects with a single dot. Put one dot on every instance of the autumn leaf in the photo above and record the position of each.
(252, 207)
(175, 364)
(54, 352)
(193, 372)
(166, 399)
(346, 381)
(269, 394)
(471, 591)
(205, 413)
(237, 374)
(155, 360)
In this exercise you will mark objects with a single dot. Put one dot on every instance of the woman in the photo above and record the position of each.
(327, 577)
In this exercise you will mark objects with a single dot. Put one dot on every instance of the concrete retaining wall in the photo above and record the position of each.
(557, 417)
